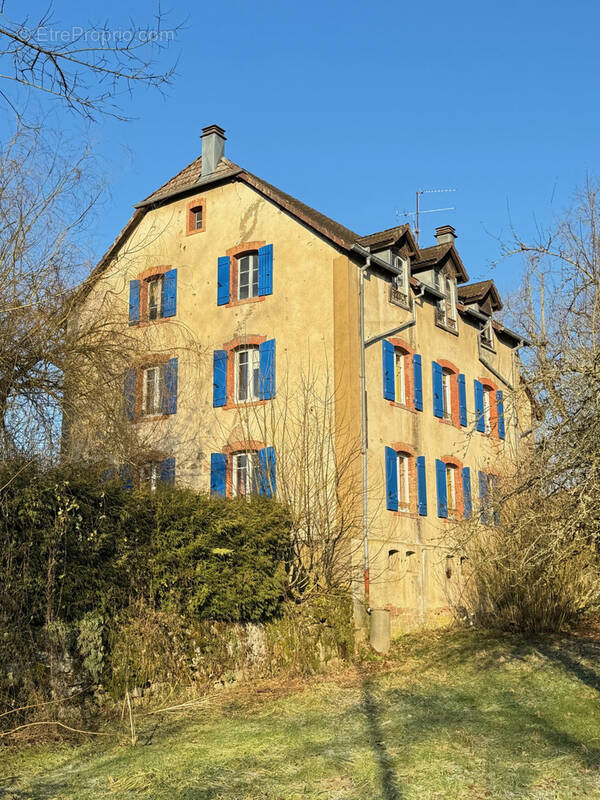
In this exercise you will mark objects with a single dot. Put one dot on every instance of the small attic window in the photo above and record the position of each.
(196, 216)
(399, 290)
(446, 308)
(487, 335)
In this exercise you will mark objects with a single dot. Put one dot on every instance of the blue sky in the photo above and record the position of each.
(351, 107)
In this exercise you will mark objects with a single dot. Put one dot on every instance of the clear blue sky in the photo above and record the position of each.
(352, 106)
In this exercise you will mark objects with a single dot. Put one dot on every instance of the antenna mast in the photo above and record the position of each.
(417, 212)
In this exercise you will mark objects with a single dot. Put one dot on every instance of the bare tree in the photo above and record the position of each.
(87, 69)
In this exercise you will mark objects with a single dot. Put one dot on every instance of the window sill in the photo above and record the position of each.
(145, 323)
(251, 404)
(489, 347)
(447, 328)
(406, 514)
(405, 406)
(234, 303)
(452, 423)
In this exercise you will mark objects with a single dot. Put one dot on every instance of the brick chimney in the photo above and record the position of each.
(445, 234)
(213, 148)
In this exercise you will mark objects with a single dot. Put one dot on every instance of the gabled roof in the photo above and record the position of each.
(389, 238)
(438, 254)
(481, 292)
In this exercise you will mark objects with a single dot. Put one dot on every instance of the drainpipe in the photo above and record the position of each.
(363, 418)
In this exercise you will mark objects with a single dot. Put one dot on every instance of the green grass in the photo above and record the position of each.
(460, 715)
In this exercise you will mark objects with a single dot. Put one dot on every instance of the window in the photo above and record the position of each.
(487, 410)
(449, 567)
(247, 374)
(447, 394)
(446, 308)
(155, 290)
(451, 297)
(151, 400)
(400, 375)
(451, 494)
(150, 475)
(487, 335)
(244, 478)
(197, 217)
(399, 291)
(248, 276)
(411, 562)
(403, 482)
(393, 560)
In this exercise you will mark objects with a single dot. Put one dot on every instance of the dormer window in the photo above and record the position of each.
(487, 335)
(399, 293)
(446, 307)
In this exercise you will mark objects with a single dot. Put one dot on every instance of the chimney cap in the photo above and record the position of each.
(445, 231)
(214, 129)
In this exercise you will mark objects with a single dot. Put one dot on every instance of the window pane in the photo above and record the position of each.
(154, 298)
(244, 277)
(400, 378)
(254, 270)
(198, 218)
(242, 378)
(151, 390)
(255, 374)
(403, 484)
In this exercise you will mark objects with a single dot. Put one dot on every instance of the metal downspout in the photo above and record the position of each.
(363, 415)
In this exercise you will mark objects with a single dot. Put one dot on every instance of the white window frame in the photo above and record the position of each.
(250, 467)
(156, 390)
(400, 375)
(487, 335)
(252, 364)
(156, 281)
(150, 474)
(451, 477)
(198, 211)
(252, 271)
(447, 394)
(401, 279)
(451, 298)
(403, 470)
(487, 410)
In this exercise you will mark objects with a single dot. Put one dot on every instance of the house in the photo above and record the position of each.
(254, 306)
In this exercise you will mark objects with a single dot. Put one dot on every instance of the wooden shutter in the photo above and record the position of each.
(169, 387)
(134, 302)
(484, 497)
(467, 500)
(169, 293)
(129, 393)
(438, 390)
(388, 363)
(391, 479)
(421, 486)
(218, 473)
(462, 400)
(265, 270)
(219, 378)
(418, 382)
(500, 410)
(266, 355)
(167, 471)
(479, 420)
(266, 479)
(442, 492)
(223, 280)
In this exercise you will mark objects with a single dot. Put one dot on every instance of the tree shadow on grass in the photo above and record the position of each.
(385, 764)
(571, 661)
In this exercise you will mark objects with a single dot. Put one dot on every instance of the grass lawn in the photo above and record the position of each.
(454, 715)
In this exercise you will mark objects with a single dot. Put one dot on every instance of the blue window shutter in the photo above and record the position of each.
(129, 392)
(387, 354)
(265, 270)
(479, 420)
(421, 486)
(484, 497)
(266, 354)
(438, 402)
(467, 501)
(169, 293)
(218, 473)
(219, 378)
(126, 475)
(169, 394)
(495, 484)
(462, 400)
(391, 479)
(223, 281)
(442, 494)
(500, 407)
(134, 302)
(167, 471)
(418, 380)
(266, 483)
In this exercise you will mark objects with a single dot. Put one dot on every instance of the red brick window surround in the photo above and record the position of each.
(236, 254)
(407, 478)
(454, 487)
(490, 407)
(404, 383)
(450, 392)
(242, 467)
(195, 214)
(151, 295)
(234, 347)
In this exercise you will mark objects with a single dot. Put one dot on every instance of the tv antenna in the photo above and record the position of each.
(417, 212)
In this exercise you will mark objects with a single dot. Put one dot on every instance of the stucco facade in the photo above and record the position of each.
(309, 310)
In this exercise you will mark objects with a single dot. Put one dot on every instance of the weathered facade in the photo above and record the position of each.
(271, 290)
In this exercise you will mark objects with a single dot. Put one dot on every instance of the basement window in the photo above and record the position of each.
(393, 560)
(150, 475)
